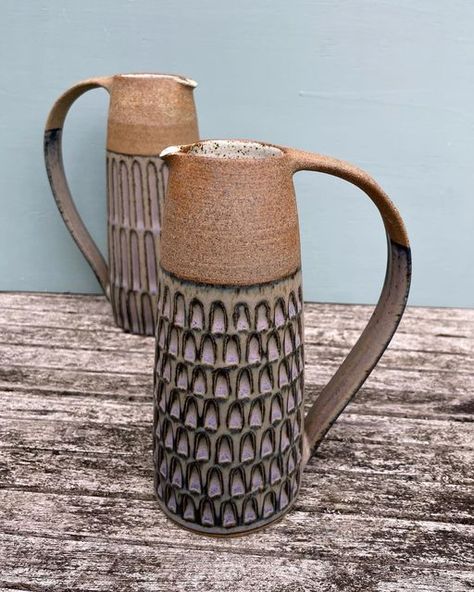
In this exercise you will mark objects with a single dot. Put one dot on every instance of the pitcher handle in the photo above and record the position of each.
(57, 178)
(384, 321)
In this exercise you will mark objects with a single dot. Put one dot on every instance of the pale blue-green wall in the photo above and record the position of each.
(385, 84)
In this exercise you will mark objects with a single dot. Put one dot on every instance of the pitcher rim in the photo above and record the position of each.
(185, 80)
(234, 145)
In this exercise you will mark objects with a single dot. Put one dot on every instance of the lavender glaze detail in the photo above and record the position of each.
(228, 402)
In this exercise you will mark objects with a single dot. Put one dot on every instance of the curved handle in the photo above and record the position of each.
(54, 166)
(384, 321)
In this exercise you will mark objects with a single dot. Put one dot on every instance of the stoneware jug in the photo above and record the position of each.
(230, 438)
(147, 113)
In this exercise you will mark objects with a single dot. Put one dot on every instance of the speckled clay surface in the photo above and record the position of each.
(240, 226)
(147, 112)
(230, 440)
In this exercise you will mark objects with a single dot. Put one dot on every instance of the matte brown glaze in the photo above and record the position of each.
(147, 112)
(230, 307)
(230, 221)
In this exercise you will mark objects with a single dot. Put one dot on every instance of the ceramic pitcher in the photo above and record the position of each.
(147, 112)
(230, 437)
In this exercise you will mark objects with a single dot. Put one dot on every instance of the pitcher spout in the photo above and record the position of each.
(184, 80)
(170, 151)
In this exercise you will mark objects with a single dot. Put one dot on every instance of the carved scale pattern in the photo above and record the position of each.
(228, 398)
(136, 188)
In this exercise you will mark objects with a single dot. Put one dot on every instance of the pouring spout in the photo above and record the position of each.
(187, 81)
(169, 151)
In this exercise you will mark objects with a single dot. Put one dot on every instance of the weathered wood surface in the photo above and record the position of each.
(386, 504)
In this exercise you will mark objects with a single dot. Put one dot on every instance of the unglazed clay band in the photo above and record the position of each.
(379, 331)
(240, 245)
(57, 178)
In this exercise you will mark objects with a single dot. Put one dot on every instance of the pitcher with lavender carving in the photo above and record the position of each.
(147, 112)
(230, 436)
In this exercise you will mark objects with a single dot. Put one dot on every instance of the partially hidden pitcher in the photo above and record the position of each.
(147, 113)
(230, 437)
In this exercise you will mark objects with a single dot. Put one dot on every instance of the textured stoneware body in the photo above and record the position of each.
(230, 439)
(228, 402)
(147, 112)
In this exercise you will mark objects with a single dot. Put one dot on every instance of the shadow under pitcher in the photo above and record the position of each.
(230, 437)
(147, 112)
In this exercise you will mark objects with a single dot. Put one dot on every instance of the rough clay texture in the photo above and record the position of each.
(230, 221)
(384, 506)
(148, 113)
(230, 215)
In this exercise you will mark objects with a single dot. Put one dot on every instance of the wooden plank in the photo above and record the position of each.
(49, 564)
(80, 382)
(402, 379)
(430, 394)
(56, 319)
(447, 391)
(70, 359)
(84, 312)
(422, 341)
(47, 301)
(447, 336)
(384, 505)
(51, 404)
(404, 360)
(331, 536)
(54, 337)
(97, 304)
(330, 337)
(73, 408)
(344, 478)
(116, 460)
(133, 361)
(362, 312)
(439, 333)
(124, 434)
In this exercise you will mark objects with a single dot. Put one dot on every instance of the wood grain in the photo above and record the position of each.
(385, 505)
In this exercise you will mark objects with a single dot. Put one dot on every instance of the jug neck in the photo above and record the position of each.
(230, 213)
(149, 111)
